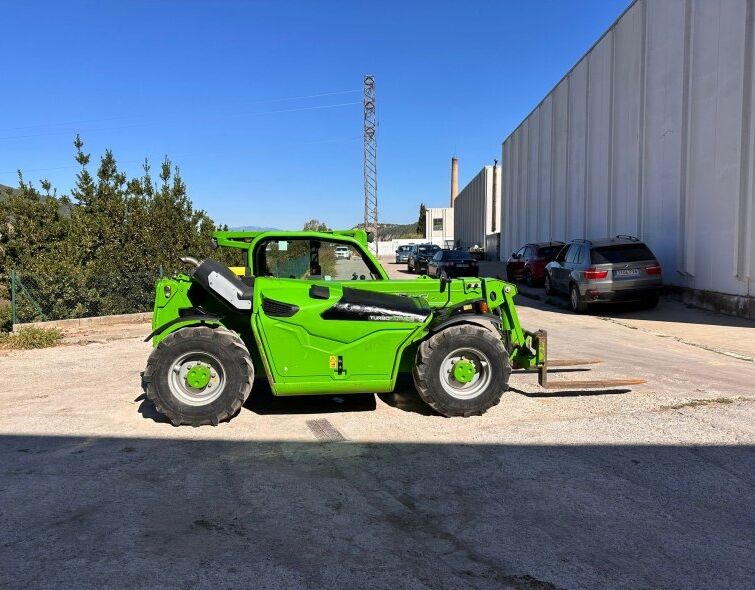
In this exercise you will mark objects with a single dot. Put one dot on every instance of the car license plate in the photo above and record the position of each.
(462, 265)
(627, 272)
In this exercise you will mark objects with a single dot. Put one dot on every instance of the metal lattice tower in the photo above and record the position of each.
(370, 160)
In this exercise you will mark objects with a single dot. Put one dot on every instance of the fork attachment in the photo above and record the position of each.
(540, 344)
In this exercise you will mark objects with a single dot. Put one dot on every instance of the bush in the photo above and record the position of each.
(32, 337)
(5, 316)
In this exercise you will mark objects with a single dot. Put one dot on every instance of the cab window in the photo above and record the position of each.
(296, 258)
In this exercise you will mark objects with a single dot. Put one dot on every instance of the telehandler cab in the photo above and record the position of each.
(320, 323)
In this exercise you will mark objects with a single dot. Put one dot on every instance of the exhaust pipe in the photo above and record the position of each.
(189, 260)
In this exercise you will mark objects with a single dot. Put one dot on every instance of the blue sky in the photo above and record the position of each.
(259, 102)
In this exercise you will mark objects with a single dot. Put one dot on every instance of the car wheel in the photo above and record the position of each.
(577, 303)
(548, 287)
(528, 278)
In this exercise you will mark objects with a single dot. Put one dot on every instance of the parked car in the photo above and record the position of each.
(402, 253)
(452, 263)
(419, 256)
(528, 263)
(598, 271)
(343, 252)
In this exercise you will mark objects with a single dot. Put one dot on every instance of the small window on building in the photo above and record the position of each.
(437, 224)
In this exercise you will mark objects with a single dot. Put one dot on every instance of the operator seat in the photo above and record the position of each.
(219, 280)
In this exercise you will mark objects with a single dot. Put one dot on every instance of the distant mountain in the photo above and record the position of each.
(394, 231)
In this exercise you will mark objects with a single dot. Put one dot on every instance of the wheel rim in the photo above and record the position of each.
(574, 298)
(196, 378)
(465, 373)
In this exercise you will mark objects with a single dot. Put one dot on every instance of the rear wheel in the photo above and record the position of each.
(578, 304)
(548, 286)
(199, 375)
(528, 278)
(462, 371)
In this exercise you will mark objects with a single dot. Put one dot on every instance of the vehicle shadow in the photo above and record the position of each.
(262, 401)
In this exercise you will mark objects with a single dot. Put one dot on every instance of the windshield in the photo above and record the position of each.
(621, 253)
(404, 248)
(427, 249)
(549, 251)
(456, 255)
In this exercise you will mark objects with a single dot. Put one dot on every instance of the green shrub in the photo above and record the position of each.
(32, 337)
(5, 316)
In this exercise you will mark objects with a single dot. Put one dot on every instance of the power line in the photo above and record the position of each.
(194, 121)
(118, 117)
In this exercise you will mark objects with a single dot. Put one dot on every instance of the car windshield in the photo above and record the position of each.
(621, 253)
(427, 249)
(404, 248)
(549, 251)
(456, 255)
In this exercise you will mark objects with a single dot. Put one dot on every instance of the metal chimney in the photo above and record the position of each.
(454, 179)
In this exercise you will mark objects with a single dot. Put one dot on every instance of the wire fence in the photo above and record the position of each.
(59, 297)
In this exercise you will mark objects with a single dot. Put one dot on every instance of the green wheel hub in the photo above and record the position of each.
(464, 371)
(198, 376)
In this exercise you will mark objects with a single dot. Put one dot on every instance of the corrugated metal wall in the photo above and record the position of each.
(473, 209)
(651, 134)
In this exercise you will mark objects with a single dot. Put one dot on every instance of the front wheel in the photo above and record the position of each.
(462, 370)
(199, 375)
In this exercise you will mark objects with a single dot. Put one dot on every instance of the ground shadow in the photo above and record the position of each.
(262, 401)
(570, 392)
(125, 512)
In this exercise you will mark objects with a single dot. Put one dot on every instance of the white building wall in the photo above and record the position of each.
(474, 207)
(650, 134)
(445, 231)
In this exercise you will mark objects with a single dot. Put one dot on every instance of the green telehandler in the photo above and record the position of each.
(316, 313)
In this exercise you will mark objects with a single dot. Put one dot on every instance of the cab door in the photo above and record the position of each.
(312, 341)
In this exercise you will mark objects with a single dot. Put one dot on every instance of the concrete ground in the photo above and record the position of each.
(646, 487)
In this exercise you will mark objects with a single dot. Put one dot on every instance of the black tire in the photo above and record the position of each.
(528, 278)
(220, 349)
(430, 374)
(578, 304)
(409, 268)
(548, 286)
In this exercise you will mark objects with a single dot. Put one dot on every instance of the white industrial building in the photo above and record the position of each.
(477, 211)
(439, 225)
(651, 134)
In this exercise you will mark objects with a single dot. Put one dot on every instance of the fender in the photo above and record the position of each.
(487, 321)
(197, 320)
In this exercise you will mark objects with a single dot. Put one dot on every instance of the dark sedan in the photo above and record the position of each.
(452, 263)
(419, 256)
(528, 263)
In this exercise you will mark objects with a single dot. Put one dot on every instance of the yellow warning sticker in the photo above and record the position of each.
(333, 362)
